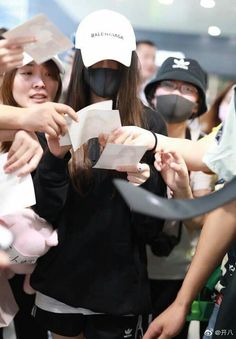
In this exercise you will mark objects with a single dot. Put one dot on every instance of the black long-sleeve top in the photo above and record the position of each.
(100, 262)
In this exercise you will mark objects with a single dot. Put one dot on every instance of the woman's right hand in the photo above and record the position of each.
(129, 135)
(11, 52)
(48, 117)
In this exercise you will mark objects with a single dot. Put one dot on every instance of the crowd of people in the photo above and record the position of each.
(116, 273)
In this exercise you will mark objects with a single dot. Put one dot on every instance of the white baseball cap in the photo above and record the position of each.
(27, 59)
(105, 35)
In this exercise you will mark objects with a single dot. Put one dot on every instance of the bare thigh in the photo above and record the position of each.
(56, 336)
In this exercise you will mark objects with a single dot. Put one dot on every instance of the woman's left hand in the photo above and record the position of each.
(24, 154)
(174, 172)
(136, 174)
(169, 323)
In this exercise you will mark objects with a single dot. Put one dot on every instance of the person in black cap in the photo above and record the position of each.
(178, 93)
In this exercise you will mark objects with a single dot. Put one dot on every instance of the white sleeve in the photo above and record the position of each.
(221, 156)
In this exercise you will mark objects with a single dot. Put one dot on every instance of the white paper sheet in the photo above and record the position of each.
(93, 120)
(15, 192)
(50, 40)
(115, 155)
(65, 139)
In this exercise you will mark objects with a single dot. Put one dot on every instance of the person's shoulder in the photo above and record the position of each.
(155, 121)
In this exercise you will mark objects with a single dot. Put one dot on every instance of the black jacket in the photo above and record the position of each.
(100, 262)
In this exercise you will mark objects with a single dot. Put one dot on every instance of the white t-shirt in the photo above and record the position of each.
(52, 305)
(221, 156)
(174, 266)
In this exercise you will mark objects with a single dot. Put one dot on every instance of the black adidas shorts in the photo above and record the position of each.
(98, 326)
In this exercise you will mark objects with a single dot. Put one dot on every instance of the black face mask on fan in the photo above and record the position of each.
(174, 108)
(104, 82)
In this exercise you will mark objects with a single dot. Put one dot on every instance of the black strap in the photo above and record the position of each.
(179, 231)
(142, 201)
(188, 134)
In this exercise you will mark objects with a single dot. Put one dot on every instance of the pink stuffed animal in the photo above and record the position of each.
(33, 236)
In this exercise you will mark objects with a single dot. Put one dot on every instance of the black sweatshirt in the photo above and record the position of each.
(100, 262)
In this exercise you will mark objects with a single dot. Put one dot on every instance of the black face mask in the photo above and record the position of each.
(174, 108)
(104, 82)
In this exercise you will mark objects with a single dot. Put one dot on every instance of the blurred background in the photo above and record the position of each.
(202, 29)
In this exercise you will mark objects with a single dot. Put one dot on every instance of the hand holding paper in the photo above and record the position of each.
(97, 119)
(115, 155)
(93, 120)
(12, 53)
(49, 40)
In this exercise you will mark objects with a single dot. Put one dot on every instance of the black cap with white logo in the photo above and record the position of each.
(187, 70)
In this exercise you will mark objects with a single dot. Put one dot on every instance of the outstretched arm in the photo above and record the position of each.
(213, 244)
(48, 117)
(191, 151)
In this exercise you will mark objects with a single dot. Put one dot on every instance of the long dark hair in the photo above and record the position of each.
(127, 101)
(211, 118)
(7, 93)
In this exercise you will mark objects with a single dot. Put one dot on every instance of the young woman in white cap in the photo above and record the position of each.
(28, 86)
(95, 282)
(178, 93)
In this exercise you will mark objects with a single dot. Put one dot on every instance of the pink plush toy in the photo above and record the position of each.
(33, 236)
